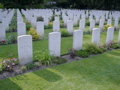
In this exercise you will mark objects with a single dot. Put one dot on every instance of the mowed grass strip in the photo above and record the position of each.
(100, 72)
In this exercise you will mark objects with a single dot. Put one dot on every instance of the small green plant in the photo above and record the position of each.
(59, 60)
(82, 53)
(115, 46)
(24, 68)
(37, 64)
(103, 48)
(28, 26)
(65, 33)
(30, 66)
(43, 57)
(72, 52)
(34, 34)
(12, 39)
(88, 23)
(93, 49)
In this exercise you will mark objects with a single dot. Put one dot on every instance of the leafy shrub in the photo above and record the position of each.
(72, 52)
(8, 64)
(52, 18)
(82, 53)
(34, 34)
(65, 33)
(106, 26)
(59, 60)
(93, 49)
(43, 57)
(37, 64)
(28, 26)
(23, 68)
(12, 39)
(40, 19)
(30, 66)
(103, 48)
(87, 23)
(115, 46)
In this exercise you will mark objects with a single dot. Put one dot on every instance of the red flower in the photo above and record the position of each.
(3, 41)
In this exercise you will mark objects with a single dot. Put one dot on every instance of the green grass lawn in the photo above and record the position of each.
(101, 72)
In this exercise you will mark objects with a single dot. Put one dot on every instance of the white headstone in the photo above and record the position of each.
(92, 24)
(82, 25)
(110, 35)
(70, 26)
(19, 19)
(119, 37)
(109, 22)
(40, 28)
(25, 53)
(101, 23)
(56, 26)
(96, 36)
(21, 28)
(77, 39)
(55, 43)
(2, 33)
(116, 23)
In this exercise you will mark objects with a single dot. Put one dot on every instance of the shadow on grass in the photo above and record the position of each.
(48, 75)
(7, 84)
(101, 69)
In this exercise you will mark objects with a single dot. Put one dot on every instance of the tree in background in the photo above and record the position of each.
(79, 4)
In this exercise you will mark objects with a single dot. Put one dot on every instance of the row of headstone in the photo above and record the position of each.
(5, 24)
(21, 25)
(74, 15)
(25, 52)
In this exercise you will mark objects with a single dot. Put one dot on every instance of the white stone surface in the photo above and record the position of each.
(110, 35)
(19, 19)
(82, 25)
(21, 28)
(109, 22)
(77, 39)
(116, 23)
(40, 28)
(92, 24)
(101, 24)
(2, 33)
(70, 26)
(25, 53)
(55, 43)
(119, 37)
(56, 26)
(96, 36)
